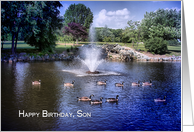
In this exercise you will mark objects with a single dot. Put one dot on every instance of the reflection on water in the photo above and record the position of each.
(135, 110)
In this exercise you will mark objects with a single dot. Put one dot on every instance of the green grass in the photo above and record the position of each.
(175, 48)
(24, 47)
(20, 45)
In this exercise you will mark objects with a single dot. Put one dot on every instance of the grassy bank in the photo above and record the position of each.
(60, 47)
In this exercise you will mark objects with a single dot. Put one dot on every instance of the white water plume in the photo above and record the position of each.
(92, 34)
(90, 54)
(91, 57)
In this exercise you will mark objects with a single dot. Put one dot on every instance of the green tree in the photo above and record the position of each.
(106, 34)
(163, 24)
(98, 36)
(117, 39)
(13, 17)
(132, 33)
(157, 45)
(117, 32)
(43, 22)
(37, 20)
(78, 14)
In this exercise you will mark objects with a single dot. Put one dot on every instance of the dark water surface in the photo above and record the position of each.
(135, 110)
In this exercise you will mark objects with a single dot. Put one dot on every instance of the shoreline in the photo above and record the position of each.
(113, 53)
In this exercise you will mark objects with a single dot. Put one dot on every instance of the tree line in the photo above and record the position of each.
(39, 24)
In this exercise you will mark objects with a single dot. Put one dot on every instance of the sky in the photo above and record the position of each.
(116, 14)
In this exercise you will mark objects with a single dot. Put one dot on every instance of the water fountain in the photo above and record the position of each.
(91, 56)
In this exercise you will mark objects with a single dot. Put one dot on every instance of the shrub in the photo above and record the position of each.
(156, 45)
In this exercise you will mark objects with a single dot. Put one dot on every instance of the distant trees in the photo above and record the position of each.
(105, 34)
(78, 14)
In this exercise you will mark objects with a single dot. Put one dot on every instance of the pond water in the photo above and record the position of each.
(135, 110)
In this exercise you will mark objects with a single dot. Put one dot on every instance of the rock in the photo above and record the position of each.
(10, 60)
(22, 53)
(52, 57)
(32, 58)
(38, 58)
(21, 58)
(57, 58)
(46, 57)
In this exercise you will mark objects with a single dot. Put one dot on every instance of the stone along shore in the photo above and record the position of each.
(113, 52)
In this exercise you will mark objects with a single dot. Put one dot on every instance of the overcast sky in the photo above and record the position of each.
(116, 14)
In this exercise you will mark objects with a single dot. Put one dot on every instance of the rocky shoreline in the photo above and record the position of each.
(112, 52)
(24, 57)
(123, 53)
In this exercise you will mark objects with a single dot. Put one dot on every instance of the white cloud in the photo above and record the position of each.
(113, 19)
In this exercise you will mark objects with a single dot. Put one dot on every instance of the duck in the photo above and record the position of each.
(160, 100)
(97, 101)
(85, 98)
(119, 84)
(147, 83)
(135, 83)
(101, 82)
(36, 82)
(112, 99)
(69, 84)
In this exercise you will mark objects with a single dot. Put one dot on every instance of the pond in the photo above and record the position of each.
(51, 106)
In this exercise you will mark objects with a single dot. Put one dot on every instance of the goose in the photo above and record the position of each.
(69, 84)
(135, 84)
(119, 84)
(97, 101)
(147, 83)
(36, 82)
(85, 98)
(101, 82)
(112, 99)
(160, 100)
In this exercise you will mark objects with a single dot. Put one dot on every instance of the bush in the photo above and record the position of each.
(107, 39)
(117, 39)
(156, 45)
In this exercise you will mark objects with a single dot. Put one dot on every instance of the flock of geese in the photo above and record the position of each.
(97, 101)
(107, 99)
(122, 84)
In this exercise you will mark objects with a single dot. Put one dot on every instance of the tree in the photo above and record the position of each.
(133, 32)
(78, 14)
(43, 22)
(161, 26)
(106, 34)
(156, 45)
(13, 17)
(37, 20)
(98, 36)
(76, 30)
